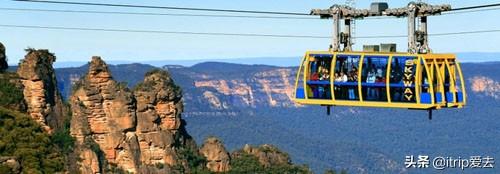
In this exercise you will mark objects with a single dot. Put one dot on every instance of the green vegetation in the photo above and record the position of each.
(145, 86)
(158, 71)
(5, 169)
(62, 137)
(335, 172)
(44, 53)
(246, 163)
(195, 162)
(23, 139)
(9, 93)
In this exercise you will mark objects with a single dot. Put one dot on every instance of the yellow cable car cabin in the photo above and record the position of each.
(395, 80)
(418, 79)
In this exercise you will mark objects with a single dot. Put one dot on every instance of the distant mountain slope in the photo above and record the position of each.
(129, 73)
(251, 104)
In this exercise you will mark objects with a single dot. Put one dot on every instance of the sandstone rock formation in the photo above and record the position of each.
(160, 129)
(218, 158)
(104, 112)
(40, 89)
(266, 88)
(3, 58)
(12, 163)
(485, 86)
(130, 130)
(268, 155)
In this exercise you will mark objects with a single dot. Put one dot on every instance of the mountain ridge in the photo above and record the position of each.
(219, 104)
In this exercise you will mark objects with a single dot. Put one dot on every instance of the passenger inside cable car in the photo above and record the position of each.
(319, 80)
(347, 84)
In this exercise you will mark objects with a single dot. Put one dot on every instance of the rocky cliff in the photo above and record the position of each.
(160, 128)
(269, 88)
(218, 158)
(115, 129)
(229, 89)
(268, 155)
(133, 130)
(3, 58)
(485, 86)
(104, 113)
(41, 94)
(141, 130)
(214, 88)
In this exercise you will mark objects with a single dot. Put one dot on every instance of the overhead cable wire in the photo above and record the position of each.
(160, 31)
(452, 11)
(229, 34)
(476, 7)
(167, 7)
(471, 11)
(207, 15)
(152, 14)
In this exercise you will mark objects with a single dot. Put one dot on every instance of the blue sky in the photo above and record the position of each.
(80, 46)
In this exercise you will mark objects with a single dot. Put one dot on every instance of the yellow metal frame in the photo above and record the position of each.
(434, 66)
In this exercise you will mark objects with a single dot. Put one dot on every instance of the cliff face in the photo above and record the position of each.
(218, 158)
(160, 129)
(104, 112)
(267, 155)
(40, 89)
(131, 131)
(485, 86)
(266, 88)
(3, 58)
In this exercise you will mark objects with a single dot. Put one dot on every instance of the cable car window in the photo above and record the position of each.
(447, 85)
(439, 71)
(299, 92)
(458, 83)
(402, 79)
(346, 77)
(373, 76)
(319, 76)
(425, 83)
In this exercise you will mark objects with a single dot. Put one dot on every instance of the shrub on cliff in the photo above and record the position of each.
(245, 163)
(194, 162)
(24, 140)
(10, 94)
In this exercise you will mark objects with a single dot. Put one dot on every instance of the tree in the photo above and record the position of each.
(23, 139)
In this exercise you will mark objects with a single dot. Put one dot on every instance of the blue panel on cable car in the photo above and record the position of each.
(439, 97)
(311, 82)
(376, 56)
(449, 97)
(300, 93)
(425, 98)
(460, 97)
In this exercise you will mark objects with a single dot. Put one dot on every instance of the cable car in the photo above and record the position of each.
(417, 79)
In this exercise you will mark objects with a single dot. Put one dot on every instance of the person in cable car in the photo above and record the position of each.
(337, 78)
(353, 77)
(321, 88)
(325, 75)
(370, 80)
(379, 92)
(343, 91)
(396, 77)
